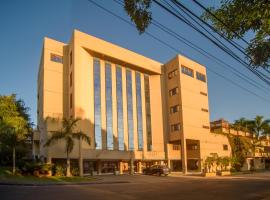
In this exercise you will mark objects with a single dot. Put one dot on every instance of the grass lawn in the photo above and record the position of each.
(6, 177)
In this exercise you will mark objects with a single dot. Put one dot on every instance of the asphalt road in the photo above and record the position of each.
(248, 187)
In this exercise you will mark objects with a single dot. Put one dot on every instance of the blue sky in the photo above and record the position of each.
(24, 24)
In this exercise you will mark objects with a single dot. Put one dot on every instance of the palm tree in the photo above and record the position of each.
(259, 126)
(11, 136)
(68, 134)
(241, 124)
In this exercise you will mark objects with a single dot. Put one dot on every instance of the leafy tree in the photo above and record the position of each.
(235, 18)
(139, 13)
(259, 126)
(241, 124)
(69, 134)
(14, 124)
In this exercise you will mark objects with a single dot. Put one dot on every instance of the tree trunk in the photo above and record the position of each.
(68, 165)
(14, 160)
(80, 158)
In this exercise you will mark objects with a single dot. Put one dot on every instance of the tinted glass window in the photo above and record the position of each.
(130, 110)
(148, 112)
(187, 71)
(139, 111)
(119, 96)
(97, 105)
(109, 122)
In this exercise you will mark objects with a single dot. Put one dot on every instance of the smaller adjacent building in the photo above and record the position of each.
(257, 158)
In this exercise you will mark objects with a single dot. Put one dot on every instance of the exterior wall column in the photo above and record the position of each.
(121, 167)
(169, 163)
(99, 166)
(132, 166)
(184, 155)
(140, 167)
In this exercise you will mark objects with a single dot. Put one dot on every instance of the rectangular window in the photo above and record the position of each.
(174, 109)
(172, 74)
(97, 105)
(139, 111)
(192, 147)
(225, 147)
(70, 79)
(119, 96)
(187, 71)
(109, 115)
(70, 101)
(203, 93)
(130, 110)
(176, 147)
(173, 91)
(200, 76)
(206, 127)
(148, 112)
(70, 58)
(204, 110)
(175, 127)
(56, 58)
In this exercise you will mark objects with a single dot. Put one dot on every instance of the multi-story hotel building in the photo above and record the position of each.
(135, 109)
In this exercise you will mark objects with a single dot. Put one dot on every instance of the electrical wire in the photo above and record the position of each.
(177, 50)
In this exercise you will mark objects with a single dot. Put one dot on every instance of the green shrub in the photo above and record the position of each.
(75, 171)
(33, 168)
(59, 170)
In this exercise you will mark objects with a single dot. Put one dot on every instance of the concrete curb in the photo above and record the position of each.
(64, 184)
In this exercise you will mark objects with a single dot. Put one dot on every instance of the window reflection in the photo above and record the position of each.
(148, 112)
(119, 94)
(130, 110)
(139, 111)
(109, 123)
(97, 105)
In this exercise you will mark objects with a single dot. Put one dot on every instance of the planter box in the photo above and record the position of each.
(209, 174)
(116, 172)
(225, 173)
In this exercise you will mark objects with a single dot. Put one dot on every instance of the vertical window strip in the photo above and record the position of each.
(97, 105)
(109, 123)
(119, 94)
(148, 112)
(130, 110)
(139, 111)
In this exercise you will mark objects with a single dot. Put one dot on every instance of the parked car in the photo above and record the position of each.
(157, 170)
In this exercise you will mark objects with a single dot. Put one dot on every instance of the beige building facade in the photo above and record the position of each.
(137, 111)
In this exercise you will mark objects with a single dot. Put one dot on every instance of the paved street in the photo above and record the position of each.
(250, 186)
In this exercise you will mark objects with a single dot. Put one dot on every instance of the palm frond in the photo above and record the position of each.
(56, 135)
(80, 135)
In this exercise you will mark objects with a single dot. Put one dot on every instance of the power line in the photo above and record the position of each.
(228, 27)
(214, 42)
(177, 50)
(222, 22)
(189, 12)
(207, 55)
(201, 51)
(224, 48)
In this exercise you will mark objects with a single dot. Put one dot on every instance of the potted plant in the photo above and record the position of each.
(209, 166)
(224, 162)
